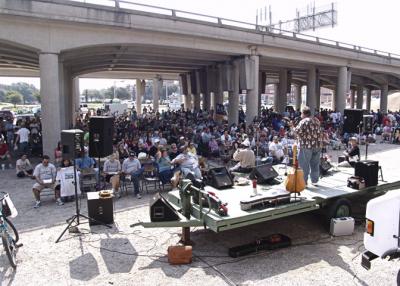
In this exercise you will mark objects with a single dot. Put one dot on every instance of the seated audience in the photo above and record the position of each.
(23, 167)
(132, 168)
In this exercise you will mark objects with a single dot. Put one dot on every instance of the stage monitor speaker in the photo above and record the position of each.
(219, 178)
(101, 131)
(161, 210)
(263, 173)
(72, 143)
(100, 209)
(368, 121)
(324, 166)
(352, 120)
(368, 170)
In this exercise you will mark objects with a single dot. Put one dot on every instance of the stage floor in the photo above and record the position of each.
(330, 188)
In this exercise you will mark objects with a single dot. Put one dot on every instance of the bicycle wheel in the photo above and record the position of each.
(14, 234)
(9, 247)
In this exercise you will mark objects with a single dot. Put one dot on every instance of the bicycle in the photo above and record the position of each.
(8, 238)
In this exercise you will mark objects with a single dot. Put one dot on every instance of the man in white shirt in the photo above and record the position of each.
(24, 167)
(45, 175)
(245, 157)
(276, 150)
(22, 139)
(132, 167)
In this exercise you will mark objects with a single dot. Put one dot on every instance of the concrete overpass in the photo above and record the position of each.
(63, 40)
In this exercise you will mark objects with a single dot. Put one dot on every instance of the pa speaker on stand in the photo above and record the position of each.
(101, 131)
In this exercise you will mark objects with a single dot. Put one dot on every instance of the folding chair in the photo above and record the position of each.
(150, 177)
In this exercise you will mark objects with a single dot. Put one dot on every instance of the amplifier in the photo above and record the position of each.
(219, 178)
(342, 226)
(368, 170)
(263, 174)
(100, 209)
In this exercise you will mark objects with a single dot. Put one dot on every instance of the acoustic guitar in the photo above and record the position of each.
(294, 182)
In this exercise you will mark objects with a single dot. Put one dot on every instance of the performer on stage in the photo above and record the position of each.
(352, 154)
(310, 141)
(246, 158)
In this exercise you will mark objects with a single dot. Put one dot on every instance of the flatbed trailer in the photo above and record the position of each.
(331, 195)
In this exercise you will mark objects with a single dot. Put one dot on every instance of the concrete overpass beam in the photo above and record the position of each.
(138, 96)
(233, 105)
(252, 92)
(341, 90)
(360, 96)
(368, 102)
(384, 98)
(311, 89)
(51, 98)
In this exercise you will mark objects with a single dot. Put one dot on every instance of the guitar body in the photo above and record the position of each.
(294, 182)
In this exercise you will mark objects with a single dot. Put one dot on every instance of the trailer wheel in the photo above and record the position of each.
(340, 208)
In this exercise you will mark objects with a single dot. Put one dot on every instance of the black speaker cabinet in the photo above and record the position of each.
(101, 131)
(353, 118)
(263, 173)
(368, 170)
(161, 210)
(368, 121)
(72, 143)
(102, 210)
(219, 178)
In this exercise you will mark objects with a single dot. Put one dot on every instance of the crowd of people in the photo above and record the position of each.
(183, 141)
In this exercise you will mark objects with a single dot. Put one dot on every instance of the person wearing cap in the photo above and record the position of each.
(154, 148)
(111, 170)
(85, 162)
(181, 142)
(352, 154)
(132, 167)
(245, 158)
(188, 163)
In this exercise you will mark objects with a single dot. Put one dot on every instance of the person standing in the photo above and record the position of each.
(23, 140)
(309, 136)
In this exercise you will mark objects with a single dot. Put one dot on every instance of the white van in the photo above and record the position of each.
(382, 234)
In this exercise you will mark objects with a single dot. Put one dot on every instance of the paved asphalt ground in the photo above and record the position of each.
(137, 256)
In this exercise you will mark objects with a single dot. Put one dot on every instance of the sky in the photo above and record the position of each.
(368, 23)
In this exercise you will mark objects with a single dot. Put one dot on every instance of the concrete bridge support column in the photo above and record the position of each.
(384, 98)
(311, 89)
(76, 99)
(281, 96)
(360, 96)
(52, 101)
(263, 83)
(352, 98)
(157, 90)
(341, 90)
(143, 88)
(252, 92)
(189, 95)
(184, 89)
(211, 88)
(297, 94)
(368, 102)
(138, 96)
(317, 91)
(233, 105)
(67, 95)
(197, 97)
(219, 94)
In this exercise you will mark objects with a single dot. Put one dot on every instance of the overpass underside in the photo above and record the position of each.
(61, 41)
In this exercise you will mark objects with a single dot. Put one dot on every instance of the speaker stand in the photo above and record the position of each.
(77, 215)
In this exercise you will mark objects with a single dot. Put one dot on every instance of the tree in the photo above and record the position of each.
(122, 93)
(36, 95)
(26, 90)
(14, 97)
